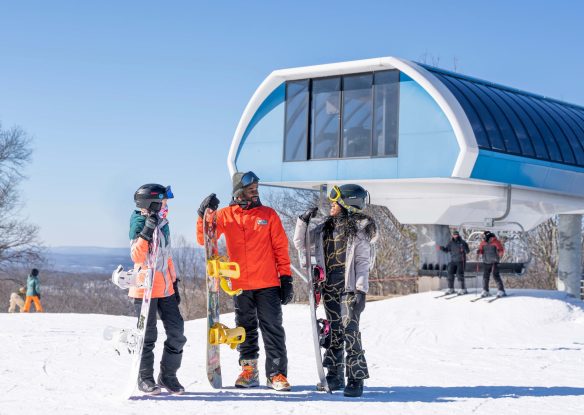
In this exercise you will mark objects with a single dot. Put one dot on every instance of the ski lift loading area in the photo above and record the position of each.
(441, 150)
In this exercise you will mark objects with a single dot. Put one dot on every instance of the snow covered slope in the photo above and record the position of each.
(519, 355)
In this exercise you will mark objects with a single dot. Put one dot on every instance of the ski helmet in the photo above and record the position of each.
(350, 196)
(488, 235)
(150, 196)
(241, 180)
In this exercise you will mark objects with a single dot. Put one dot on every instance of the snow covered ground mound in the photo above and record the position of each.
(519, 355)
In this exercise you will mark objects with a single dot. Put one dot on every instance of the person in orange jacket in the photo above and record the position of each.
(256, 240)
(148, 219)
(492, 251)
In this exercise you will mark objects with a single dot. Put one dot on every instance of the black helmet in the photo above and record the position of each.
(149, 196)
(488, 235)
(350, 196)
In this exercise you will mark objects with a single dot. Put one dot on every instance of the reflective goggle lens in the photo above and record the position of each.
(168, 192)
(249, 178)
(335, 194)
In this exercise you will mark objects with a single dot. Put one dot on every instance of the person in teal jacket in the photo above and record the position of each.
(33, 292)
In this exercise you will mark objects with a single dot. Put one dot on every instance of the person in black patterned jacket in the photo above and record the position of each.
(343, 246)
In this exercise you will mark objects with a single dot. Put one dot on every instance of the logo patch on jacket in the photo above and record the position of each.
(262, 221)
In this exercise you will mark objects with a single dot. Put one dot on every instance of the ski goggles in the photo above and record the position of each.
(249, 178)
(168, 192)
(336, 197)
(335, 194)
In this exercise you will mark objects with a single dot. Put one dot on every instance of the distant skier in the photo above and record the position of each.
(492, 251)
(458, 249)
(257, 242)
(33, 292)
(343, 248)
(151, 216)
(17, 299)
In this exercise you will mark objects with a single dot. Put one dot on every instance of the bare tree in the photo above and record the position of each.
(18, 239)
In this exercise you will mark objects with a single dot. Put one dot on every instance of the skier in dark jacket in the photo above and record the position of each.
(492, 251)
(343, 247)
(458, 248)
(150, 218)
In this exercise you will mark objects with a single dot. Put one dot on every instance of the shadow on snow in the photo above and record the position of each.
(306, 393)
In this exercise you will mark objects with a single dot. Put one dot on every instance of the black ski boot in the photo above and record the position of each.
(168, 380)
(147, 384)
(354, 388)
(335, 381)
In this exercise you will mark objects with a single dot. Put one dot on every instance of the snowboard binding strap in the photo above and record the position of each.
(225, 271)
(221, 334)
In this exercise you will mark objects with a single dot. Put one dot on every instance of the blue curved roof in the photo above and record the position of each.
(515, 122)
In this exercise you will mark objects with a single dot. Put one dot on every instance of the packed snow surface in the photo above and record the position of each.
(519, 355)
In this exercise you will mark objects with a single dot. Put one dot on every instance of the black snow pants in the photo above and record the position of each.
(494, 268)
(343, 317)
(262, 309)
(458, 269)
(167, 309)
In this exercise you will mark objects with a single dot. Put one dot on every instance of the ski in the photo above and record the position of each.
(320, 327)
(495, 298)
(477, 299)
(455, 296)
(219, 273)
(443, 295)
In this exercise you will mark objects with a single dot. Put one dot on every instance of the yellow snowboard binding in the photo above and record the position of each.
(221, 334)
(225, 271)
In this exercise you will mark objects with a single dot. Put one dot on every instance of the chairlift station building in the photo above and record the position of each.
(435, 147)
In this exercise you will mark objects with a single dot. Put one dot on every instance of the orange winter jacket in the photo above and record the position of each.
(256, 241)
(165, 274)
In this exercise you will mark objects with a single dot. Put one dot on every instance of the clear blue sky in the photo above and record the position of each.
(121, 93)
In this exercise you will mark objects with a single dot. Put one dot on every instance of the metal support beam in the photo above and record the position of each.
(570, 254)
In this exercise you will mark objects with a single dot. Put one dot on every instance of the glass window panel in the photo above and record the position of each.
(536, 139)
(526, 148)
(548, 137)
(296, 124)
(566, 127)
(556, 131)
(326, 102)
(473, 118)
(507, 132)
(486, 117)
(571, 113)
(386, 113)
(357, 115)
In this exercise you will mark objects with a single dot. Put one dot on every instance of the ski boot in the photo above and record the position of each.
(449, 291)
(168, 380)
(501, 293)
(485, 293)
(278, 382)
(354, 388)
(462, 291)
(147, 384)
(249, 376)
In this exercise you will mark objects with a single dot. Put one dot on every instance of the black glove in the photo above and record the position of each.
(286, 289)
(359, 304)
(39, 296)
(210, 202)
(310, 213)
(176, 294)
(149, 226)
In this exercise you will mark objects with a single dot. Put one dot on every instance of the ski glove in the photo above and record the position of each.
(39, 296)
(310, 213)
(149, 226)
(176, 294)
(286, 289)
(359, 302)
(210, 202)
